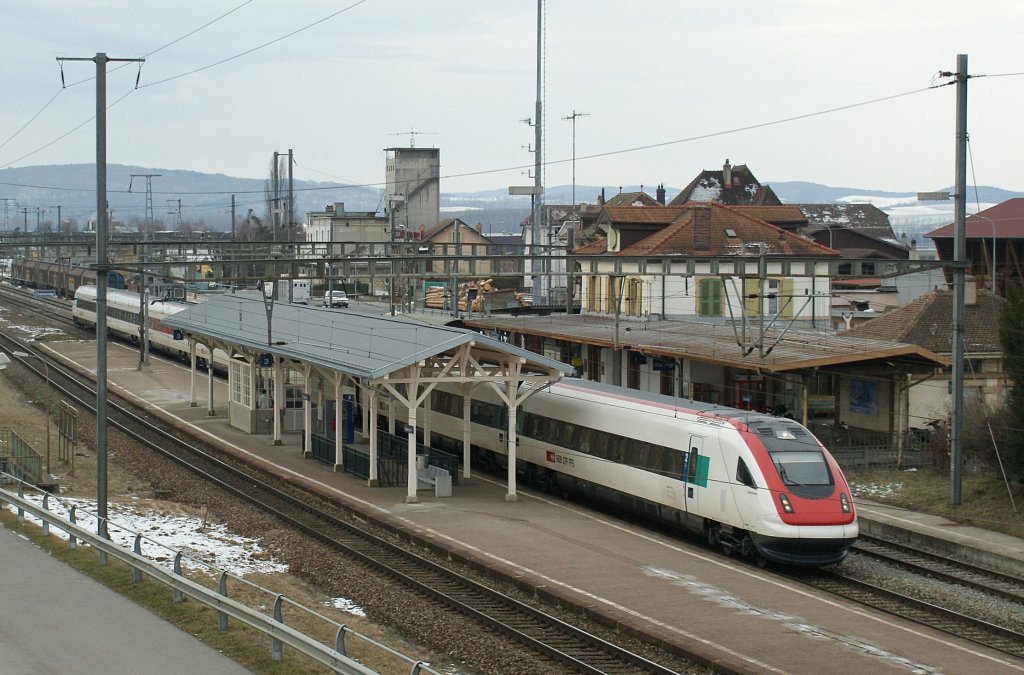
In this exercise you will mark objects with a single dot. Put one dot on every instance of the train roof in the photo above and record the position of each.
(131, 298)
(750, 418)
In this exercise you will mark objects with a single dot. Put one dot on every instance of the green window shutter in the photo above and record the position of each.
(786, 299)
(709, 297)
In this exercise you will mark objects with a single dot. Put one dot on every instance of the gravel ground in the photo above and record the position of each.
(968, 601)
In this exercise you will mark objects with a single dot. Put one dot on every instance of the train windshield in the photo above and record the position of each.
(802, 468)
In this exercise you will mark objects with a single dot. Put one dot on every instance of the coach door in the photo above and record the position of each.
(695, 472)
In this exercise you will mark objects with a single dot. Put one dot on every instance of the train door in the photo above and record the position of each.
(695, 473)
(746, 494)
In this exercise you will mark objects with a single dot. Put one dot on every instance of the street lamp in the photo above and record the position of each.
(46, 371)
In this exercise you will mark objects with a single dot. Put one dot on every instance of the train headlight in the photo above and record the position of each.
(844, 502)
(784, 500)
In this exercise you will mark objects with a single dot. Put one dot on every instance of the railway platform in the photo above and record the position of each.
(733, 615)
(69, 623)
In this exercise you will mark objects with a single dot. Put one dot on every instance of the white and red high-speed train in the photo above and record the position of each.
(754, 484)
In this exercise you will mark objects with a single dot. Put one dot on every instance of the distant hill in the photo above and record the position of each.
(205, 199)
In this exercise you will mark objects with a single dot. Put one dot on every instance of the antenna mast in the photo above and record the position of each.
(413, 134)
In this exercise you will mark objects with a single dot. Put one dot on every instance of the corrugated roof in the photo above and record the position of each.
(358, 344)
(714, 342)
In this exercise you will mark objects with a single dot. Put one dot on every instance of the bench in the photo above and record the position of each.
(437, 477)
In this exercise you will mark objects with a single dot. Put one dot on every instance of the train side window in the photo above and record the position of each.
(633, 452)
(743, 474)
(671, 461)
(611, 449)
(583, 439)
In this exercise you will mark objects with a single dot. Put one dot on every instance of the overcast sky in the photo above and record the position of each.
(683, 76)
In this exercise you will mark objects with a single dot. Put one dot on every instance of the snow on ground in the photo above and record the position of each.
(34, 332)
(345, 605)
(202, 544)
(875, 490)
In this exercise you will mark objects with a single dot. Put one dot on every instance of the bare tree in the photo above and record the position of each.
(274, 194)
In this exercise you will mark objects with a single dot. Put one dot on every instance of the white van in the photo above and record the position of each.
(335, 299)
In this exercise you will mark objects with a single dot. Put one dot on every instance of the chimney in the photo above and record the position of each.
(660, 194)
(970, 290)
(600, 199)
(701, 227)
(726, 174)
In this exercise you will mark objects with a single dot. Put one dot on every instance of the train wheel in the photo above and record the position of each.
(713, 534)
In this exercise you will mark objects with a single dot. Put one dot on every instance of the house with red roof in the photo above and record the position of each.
(763, 281)
(995, 245)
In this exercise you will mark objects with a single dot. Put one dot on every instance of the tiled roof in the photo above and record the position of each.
(787, 217)
(928, 322)
(731, 232)
(744, 189)
(433, 230)
(646, 215)
(632, 199)
(595, 247)
(865, 218)
(1004, 221)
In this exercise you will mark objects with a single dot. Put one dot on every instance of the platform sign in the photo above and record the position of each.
(178, 334)
(47, 293)
(266, 360)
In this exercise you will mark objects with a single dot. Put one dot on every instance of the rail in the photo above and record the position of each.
(227, 608)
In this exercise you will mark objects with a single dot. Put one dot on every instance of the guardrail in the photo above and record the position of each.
(181, 587)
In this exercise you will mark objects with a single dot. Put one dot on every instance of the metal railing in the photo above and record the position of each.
(144, 562)
(857, 448)
(18, 459)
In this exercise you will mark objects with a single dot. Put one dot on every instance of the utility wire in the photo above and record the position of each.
(114, 69)
(258, 47)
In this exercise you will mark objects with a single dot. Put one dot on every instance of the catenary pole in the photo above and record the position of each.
(102, 268)
(959, 282)
(538, 156)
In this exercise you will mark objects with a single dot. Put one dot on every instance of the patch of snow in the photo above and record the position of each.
(346, 605)
(872, 489)
(203, 544)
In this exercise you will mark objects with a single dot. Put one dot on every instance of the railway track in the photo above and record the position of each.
(550, 638)
(950, 614)
(940, 618)
(56, 311)
(942, 567)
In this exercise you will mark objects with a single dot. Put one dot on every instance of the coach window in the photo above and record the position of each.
(743, 474)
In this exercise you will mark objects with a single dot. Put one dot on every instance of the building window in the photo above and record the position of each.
(709, 297)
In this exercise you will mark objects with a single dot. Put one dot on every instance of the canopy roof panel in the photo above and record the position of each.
(360, 345)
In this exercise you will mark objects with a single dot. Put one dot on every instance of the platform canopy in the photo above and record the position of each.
(361, 345)
(405, 358)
